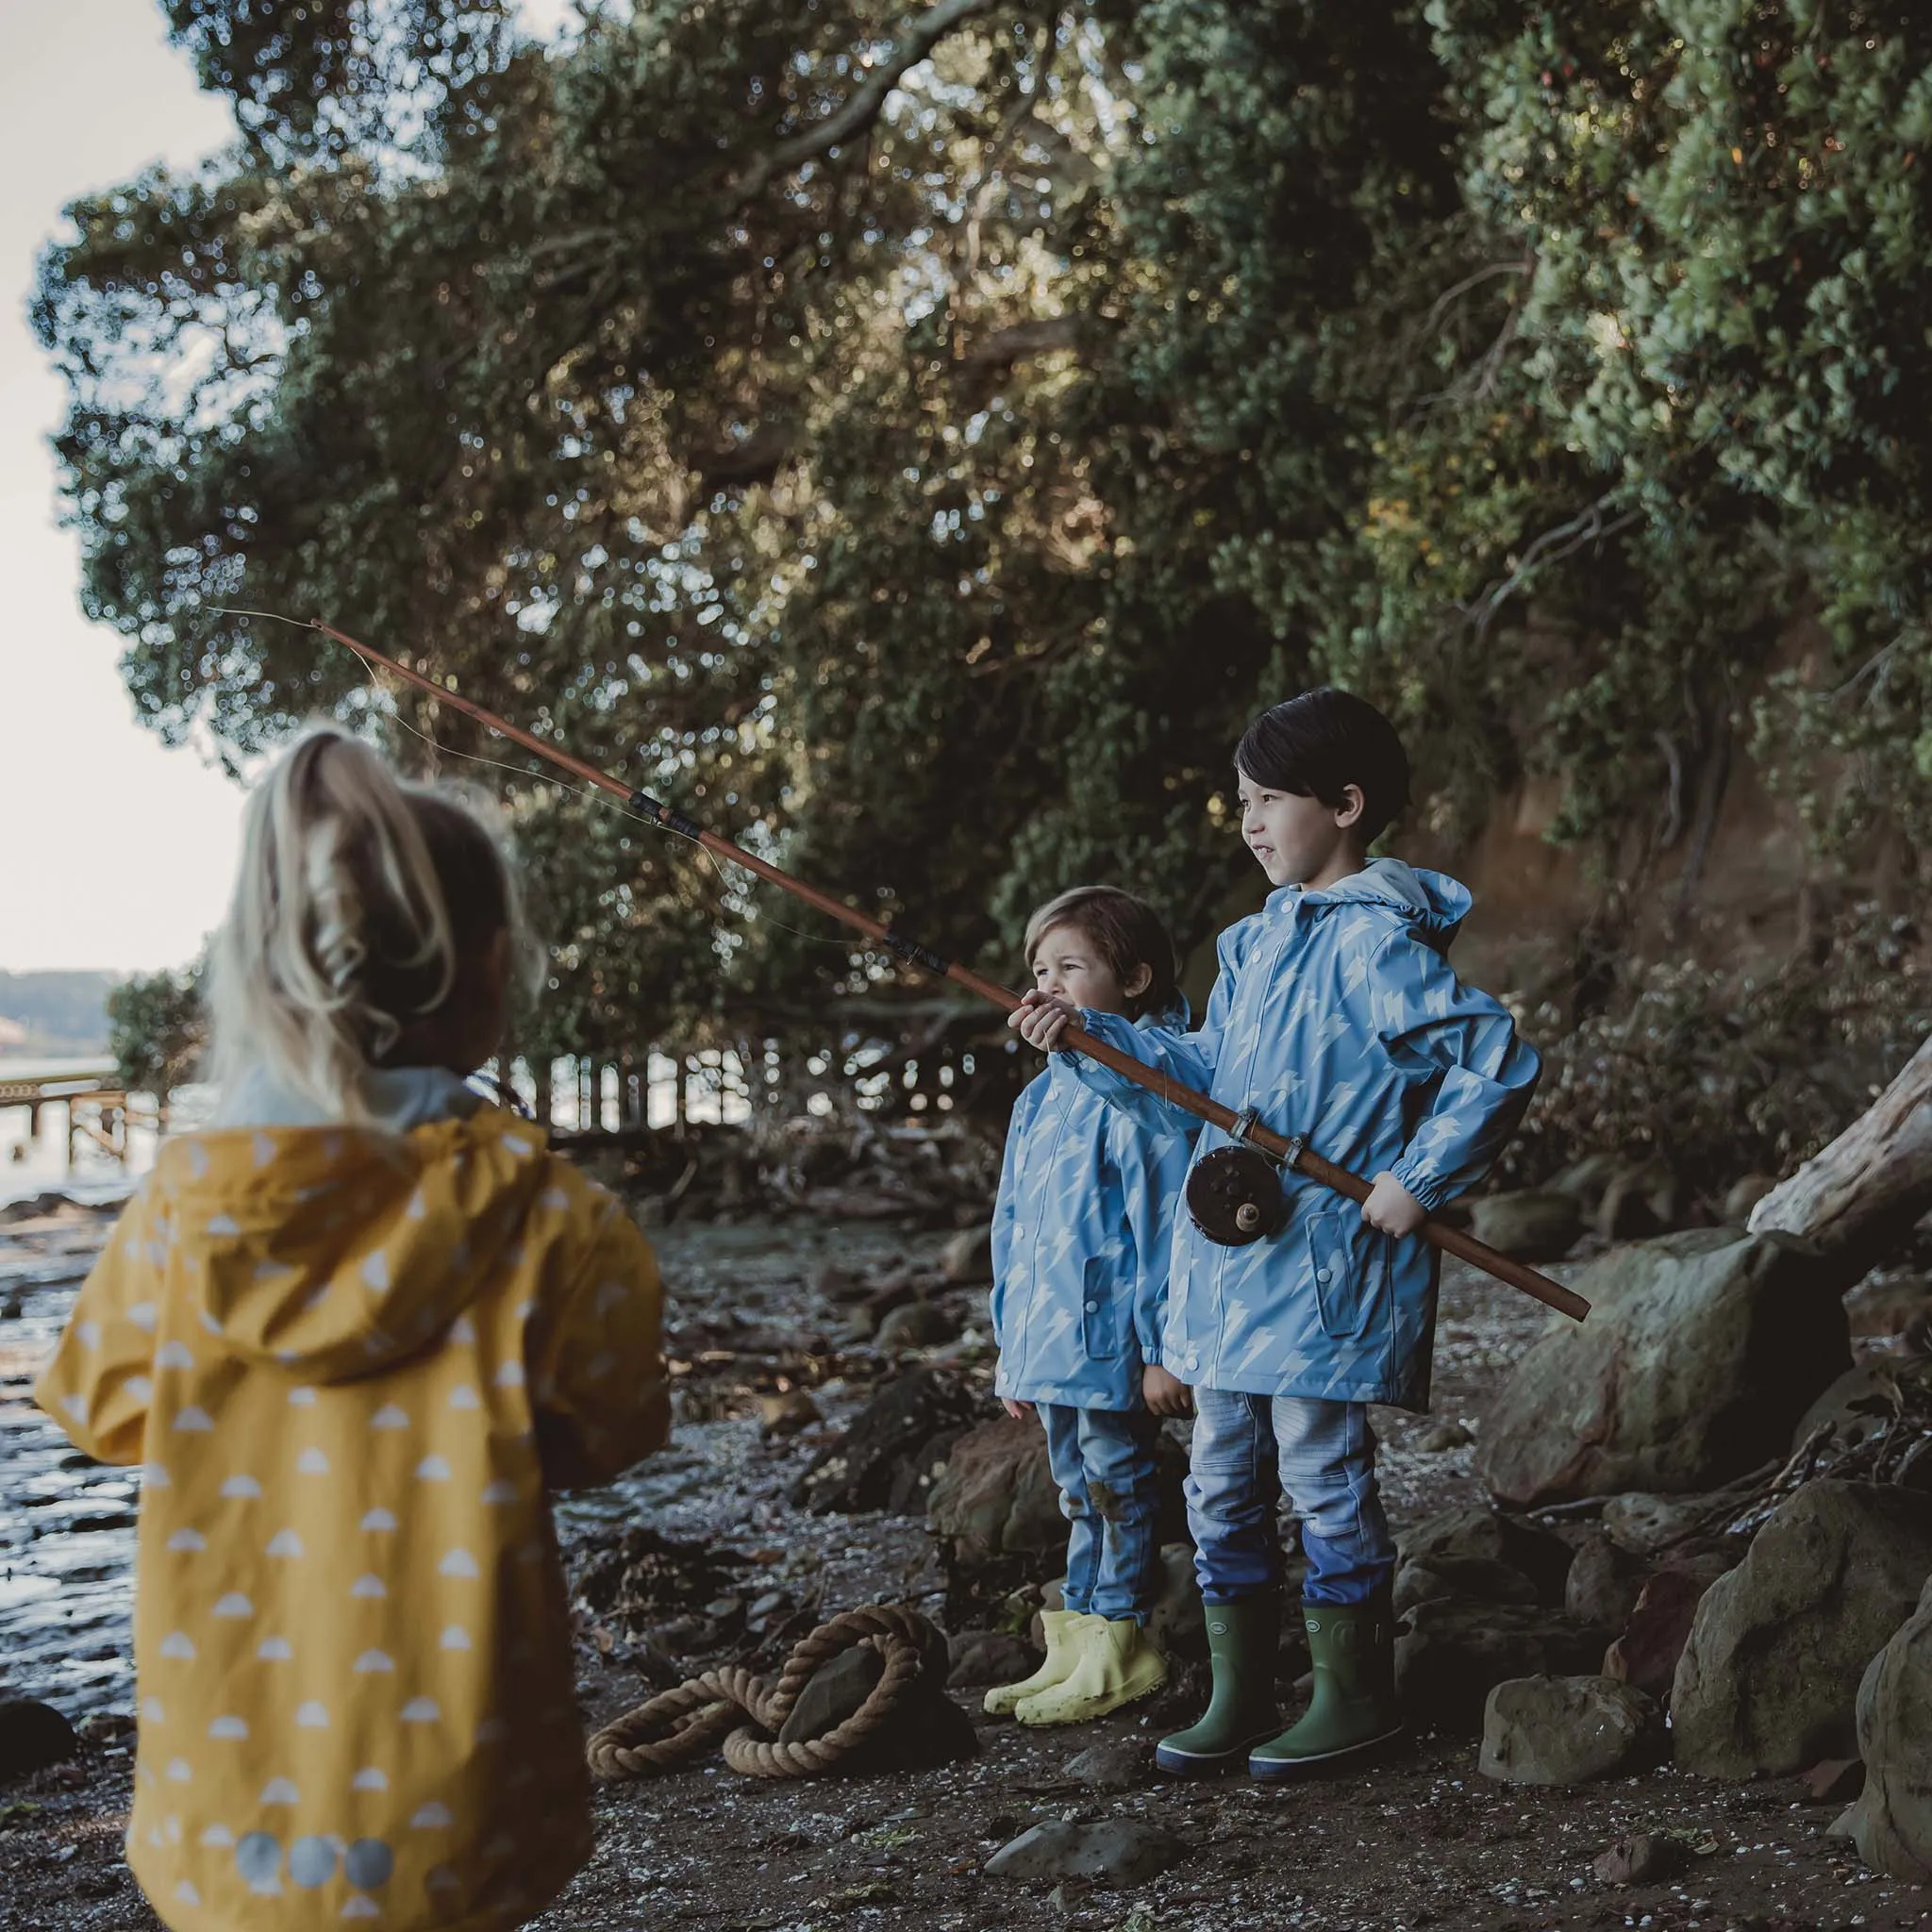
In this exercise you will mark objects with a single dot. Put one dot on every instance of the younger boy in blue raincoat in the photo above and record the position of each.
(1336, 1016)
(1081, 1236)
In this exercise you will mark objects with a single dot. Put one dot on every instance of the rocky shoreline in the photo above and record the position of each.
(785, 1332)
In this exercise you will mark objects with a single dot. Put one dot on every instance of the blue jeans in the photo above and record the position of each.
(1321, 1456)
(1103, 1461)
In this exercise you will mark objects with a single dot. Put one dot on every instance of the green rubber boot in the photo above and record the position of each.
(1242, 1637)
(1353, 1709)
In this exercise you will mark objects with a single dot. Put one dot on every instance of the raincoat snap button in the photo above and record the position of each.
(1325, 1275)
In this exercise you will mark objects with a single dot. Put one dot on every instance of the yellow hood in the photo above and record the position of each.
(324, 1249)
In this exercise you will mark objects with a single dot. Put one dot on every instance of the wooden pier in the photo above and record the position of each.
(99, 1108)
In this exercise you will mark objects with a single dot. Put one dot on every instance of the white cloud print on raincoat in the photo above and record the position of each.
(1082, 1231)
(1336, 1016)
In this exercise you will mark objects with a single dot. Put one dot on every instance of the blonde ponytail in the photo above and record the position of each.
(360, 900)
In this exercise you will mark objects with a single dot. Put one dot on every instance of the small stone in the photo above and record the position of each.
(1566, 1730)
(1745, 1195)
(1453, 1651)
(832, 1693)
(1536, 1224)
(786, 1414)
(1474, 1579)
(1834, 1781)
(720, 1609)
(32, 1736)
(1643, 1523)
(838, 1284)
(1476, 1533)
(981, 1657)
(1177, 1624)
(1122, 1851)
(1641, 1857)
(1604, 1584)
(918, 1325)
(966, 1259)
(1118, 1765)
(1890, 1305)
(1440, 1437)
(1658, 1625)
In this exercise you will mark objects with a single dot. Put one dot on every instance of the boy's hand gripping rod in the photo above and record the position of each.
(1451, 1241)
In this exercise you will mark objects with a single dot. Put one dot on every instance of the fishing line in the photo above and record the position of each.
(1265, 1144)
(747, 909)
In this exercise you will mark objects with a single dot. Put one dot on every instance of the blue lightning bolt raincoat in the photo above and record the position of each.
(1336, 1016)
(1081, 1234)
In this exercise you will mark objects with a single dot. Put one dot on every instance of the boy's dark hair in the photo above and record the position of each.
(1127, 934)
(1322, 741)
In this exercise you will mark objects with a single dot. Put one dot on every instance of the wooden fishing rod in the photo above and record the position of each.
(1285, 1152)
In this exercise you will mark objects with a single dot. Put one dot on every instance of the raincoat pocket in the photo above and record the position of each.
(1100, 1311)
(1349, 1275)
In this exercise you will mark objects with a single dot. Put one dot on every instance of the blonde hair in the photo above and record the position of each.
(360, 900)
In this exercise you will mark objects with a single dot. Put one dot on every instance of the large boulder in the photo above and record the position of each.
(996, 1495)
(1567, 1730)
(1702, 1349)
(1890, 1823)
(1769, 1680)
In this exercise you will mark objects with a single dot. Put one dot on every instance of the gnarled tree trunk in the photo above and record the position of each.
(1860, 1194)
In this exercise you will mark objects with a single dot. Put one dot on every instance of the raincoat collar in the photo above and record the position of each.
(1432, 902)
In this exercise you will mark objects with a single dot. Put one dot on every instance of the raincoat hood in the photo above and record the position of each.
(321, 1249)
(1433, 904)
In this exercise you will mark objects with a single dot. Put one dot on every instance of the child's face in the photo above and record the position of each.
(1068, 965)
(1298, 839)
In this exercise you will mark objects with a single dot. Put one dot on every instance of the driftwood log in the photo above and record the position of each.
(1859, 1196)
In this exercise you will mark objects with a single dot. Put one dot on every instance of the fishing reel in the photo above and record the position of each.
(1234, 1193)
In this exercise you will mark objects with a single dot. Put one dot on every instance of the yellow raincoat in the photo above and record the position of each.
(348, 1359)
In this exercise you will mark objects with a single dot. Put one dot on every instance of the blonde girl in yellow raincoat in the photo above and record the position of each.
(352, 1333)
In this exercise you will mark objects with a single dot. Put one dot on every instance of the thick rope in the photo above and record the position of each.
(676, 1726)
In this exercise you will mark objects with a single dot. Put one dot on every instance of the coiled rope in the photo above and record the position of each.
(676, 1726)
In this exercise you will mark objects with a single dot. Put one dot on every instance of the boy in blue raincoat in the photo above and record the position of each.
(1337, 1016)
(1081, 1236)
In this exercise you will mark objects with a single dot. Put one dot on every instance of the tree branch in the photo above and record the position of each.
(862, 108)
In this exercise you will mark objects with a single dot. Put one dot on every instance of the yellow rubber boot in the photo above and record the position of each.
(1115, 1664)
(1061, 1629)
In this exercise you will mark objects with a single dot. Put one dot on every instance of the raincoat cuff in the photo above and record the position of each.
(1431, 1190)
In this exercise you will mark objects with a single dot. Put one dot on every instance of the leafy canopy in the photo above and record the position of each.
(917, 439)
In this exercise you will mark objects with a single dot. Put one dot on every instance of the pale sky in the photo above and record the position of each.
(114, 852)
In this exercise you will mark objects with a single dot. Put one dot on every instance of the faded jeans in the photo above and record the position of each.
(1103, 1461)
(1321, 1456)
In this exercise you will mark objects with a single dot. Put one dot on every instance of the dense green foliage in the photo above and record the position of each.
(155, 1031)
(925, 465)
